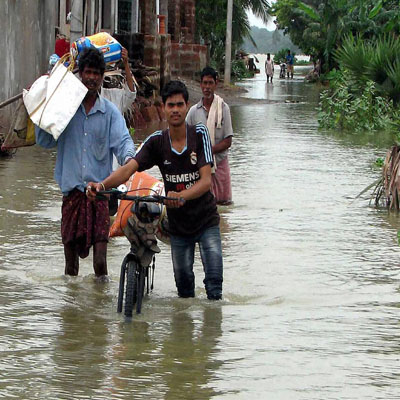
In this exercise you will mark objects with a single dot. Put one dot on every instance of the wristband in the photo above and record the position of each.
(102, 184)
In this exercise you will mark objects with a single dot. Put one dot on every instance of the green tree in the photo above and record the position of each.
(211, 24)
(315, 26)
(268, 42)
(372, 61)
(318, 27)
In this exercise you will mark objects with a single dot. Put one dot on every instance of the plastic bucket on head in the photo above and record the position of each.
(102, 41)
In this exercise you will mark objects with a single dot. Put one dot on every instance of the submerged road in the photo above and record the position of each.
(311, 290)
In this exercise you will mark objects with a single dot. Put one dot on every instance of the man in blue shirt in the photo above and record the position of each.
(85, 153)
(290, 64)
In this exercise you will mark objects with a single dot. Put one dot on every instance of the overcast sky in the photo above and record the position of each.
(255, 21)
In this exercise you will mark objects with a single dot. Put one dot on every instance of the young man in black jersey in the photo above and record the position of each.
(183, 154)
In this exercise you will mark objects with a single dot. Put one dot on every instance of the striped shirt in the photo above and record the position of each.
(180, 171)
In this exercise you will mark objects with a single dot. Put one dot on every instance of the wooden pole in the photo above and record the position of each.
(10, 100)
(19, 96)
(228, 44)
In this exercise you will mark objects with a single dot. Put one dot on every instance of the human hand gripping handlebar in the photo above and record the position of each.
(173, 202)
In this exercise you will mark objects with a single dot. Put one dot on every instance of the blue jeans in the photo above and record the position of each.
(182, 250)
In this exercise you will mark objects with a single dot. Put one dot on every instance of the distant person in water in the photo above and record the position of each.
(269, 67)
(213, 112)
(290, 64)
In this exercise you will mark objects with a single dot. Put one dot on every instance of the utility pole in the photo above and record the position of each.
(228, 44)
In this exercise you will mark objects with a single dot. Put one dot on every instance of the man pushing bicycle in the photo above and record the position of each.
(183, 154)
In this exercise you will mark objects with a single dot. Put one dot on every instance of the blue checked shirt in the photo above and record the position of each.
(85, 149)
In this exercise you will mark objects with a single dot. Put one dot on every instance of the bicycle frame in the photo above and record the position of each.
(141, 233)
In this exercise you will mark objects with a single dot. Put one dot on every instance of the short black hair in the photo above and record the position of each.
(172, 88)
(93, 58)
(209, 71)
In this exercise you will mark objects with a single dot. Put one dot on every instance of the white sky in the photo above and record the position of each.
(255, 21)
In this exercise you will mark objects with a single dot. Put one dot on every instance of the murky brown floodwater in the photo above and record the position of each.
(311, 292)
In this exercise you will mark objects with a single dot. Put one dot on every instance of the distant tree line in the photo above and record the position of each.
(355, 45)
(211, 26)
(266, 41)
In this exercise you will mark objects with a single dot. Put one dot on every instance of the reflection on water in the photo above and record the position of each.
(311, 280)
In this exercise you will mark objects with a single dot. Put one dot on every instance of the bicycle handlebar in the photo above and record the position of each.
(153, 198)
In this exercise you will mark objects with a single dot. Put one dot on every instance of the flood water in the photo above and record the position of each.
(311, 279)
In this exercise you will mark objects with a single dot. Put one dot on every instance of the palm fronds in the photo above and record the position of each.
(388, 193)
(355, 56)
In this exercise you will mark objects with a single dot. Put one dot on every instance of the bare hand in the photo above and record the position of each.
(91, 189)
(179, 202)
(124, 55)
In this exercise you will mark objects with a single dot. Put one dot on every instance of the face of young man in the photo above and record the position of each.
(208, 86)
(175, 110)
(91, 78)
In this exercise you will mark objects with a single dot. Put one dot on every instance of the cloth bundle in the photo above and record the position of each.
(214, 120)
(53, 99)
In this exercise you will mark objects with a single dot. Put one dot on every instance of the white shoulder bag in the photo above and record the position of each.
(53, 99)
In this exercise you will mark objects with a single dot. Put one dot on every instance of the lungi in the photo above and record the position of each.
(221, 182)
(84, 222)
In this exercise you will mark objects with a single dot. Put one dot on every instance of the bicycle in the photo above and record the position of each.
(141, 233)
(282, 72)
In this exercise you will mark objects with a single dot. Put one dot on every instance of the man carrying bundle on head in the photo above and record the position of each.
(85, 152)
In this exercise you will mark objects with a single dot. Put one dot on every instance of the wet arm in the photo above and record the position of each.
(121, 142)
(226, 142)
(128, 72)
(222, 145)
(200, 187)
(121, 175)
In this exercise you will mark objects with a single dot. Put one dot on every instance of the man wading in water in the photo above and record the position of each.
(183, 154)
(213, 112)
(85, 153)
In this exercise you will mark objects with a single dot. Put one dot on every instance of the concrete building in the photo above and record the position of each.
(29, 28)
(28, 36)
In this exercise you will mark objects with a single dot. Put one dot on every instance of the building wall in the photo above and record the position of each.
(27, 41)
(152, 56)
(188, 59)
(190, 20)
(174, 20)
(148, 17)
(165, 60)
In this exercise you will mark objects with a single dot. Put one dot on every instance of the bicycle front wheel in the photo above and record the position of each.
(131, 287)
(140, 292)
(121, 288)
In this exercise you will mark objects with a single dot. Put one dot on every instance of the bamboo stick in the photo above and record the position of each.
(19, 96)
(10, 100)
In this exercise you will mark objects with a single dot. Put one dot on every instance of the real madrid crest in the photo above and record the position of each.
(193, 158)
